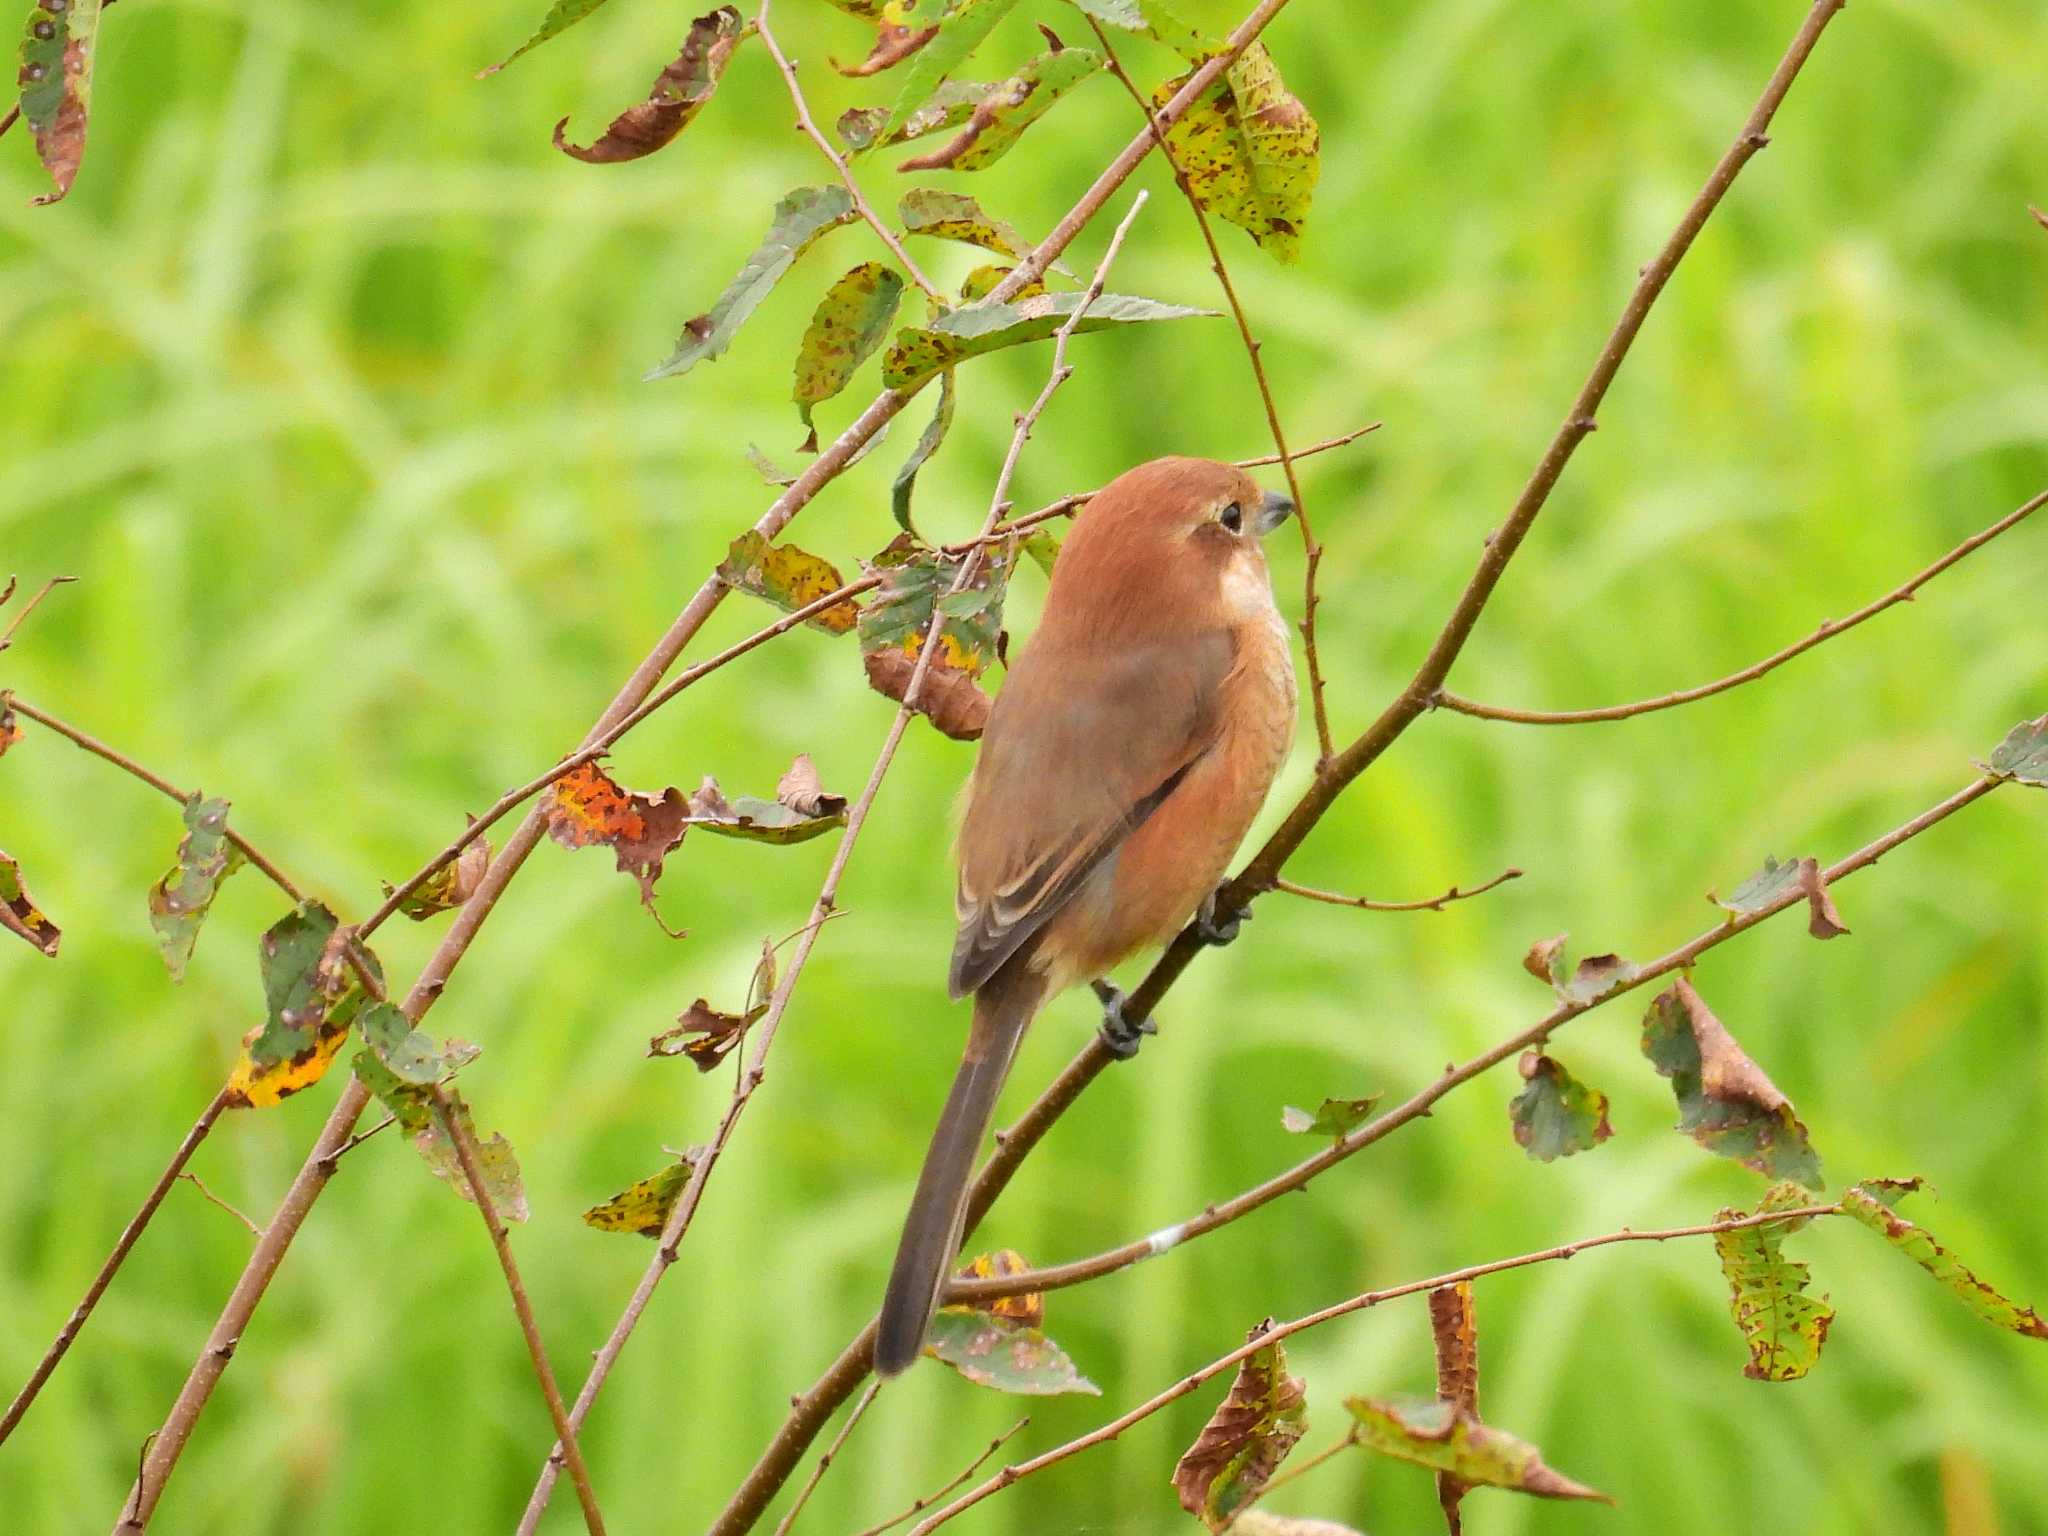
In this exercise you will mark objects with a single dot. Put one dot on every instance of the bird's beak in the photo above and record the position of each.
(1274, 509)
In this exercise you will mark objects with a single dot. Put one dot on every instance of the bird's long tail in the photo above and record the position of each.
(932, 1230)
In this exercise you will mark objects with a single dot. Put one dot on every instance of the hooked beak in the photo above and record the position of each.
(1274, 509)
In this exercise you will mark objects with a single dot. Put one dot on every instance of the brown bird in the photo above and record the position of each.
(1132, 744)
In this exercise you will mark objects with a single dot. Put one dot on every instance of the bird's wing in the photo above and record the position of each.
(1075, 757)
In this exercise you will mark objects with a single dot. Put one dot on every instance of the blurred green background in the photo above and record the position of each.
(324, 382)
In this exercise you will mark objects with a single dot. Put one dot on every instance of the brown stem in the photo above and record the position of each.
(818, 1472)
(1181, 1388)
(200, 1184)
(463, 1140)
(806, 125)
(1312, 549)
(105, 1277)
(1428, 904)
(1298, 1177)
(919, 1506)
(1770, 663)
(7, 635)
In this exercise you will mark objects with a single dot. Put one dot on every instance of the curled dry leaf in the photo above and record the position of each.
(20, 915)
(1246, 1438)
(1440, 1435)
(586, 807)
(947, 697)
(1334, 1117)
(1783, 1326)
(179, 902)
(1591, 979)
(1555, 1114)
(801, 790)
(311, 996)
(1002, 1344)
(450, 886)
(893, 44)
(1822, 920)
(708, 1036)
(56, 85)
(1454, 1326)
(642, 1207)
(1776, 884)
(677, 95)
(781, 820)
(788, 577)
(1725, 1101)
(1874, 1202)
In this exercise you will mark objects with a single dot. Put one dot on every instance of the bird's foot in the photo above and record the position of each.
(1215, 927)
(1123, 1036)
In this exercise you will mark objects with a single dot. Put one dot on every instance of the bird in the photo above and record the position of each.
(1132, 743)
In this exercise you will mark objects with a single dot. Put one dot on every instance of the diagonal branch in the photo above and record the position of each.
(1827, 631)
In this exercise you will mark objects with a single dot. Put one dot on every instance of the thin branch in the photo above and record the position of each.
(919, 1506)
(1311, 546)
(356, 1141)
(463, 1140)
(155, 781)
(107, 1270)
(806, 125)
(200, 1185)
(1298, 1177)
(1181, 1388)
(7, 635)
(1298, 1470)
(1770, 663)
(1428, 904)
(814, 1408)
(825, 1461)
(686, 1205)
(7, 121)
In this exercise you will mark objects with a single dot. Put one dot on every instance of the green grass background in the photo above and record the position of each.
(324, 382)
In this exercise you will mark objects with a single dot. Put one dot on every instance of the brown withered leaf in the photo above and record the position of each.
(587, 807)
(1822, 920)
(893, 44)
(677, 95)
(801, 790)
(1454, 1324)
(1725, 1101)
(706, 1035)
(1593, 977)
(801, 810)
(10, 732)
(948, 696)
(20, 915)
(1545, 960)
(1028, 1309)
(1246, 1438)
(448, 887)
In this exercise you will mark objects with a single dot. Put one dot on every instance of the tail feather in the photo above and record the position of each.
(932, 1230)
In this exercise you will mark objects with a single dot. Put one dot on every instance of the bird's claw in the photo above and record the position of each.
(1123, 1036)
(1219, 929)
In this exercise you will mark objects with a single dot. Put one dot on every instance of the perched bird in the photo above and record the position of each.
(1132, 743)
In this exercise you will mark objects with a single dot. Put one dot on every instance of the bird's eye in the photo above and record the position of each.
(1232, 517)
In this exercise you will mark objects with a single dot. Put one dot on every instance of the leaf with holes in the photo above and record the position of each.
(20, 915)
(311, 995)
(497, 1163)
(401, 1066)
(850, 322)
(1246, 1438)
(678, 94)
(997, 121)
(1783, 1326)
(976, 329)
(788, 577)
(1555, 1114)
(561, 16)
(1874, 1203)
(963, 28)
(1335, 1117)
(587, 807)
(179, 902)
(1001, 1344)
(642, 1207)
(1725, 1102)
(799, 219)
(861, 128)
(2023, 755)
(1250, 151)
(918, 580)
(56, 85)
(1593, 977)
(1446, 1438)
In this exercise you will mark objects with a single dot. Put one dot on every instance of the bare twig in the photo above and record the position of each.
(107, 1270)
(1427, 904)
(463, 1140)
(7, 121)
(1770, 663)
(356, 1141)
(200, 1185)
(7, 635)
(686, 1205)
(817, 1476)
(1181, 1388)
(1311, 547)
(919, 1506)
(806, 125)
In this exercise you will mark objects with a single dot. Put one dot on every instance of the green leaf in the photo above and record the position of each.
(2023, 755)
(1725, 1102)
(800, 218)
(1250, 151)
(1043, 546)
(992, 1351)
(927, 444)
(964, 27)
(1783, 1327)
(1335, 1117)
(862, 128)
(642, 1207)
(975, 329)
(1115, 13)
(800, 811)
(1163, 22)
(678, 94)
(401, 1065)
(497, 1163)
(1434, 1433)
(561, 16)
(179, 902)
(850, 322)
(1555, 1114)
(915, 577)
(1008, 107)
(56, 85)
(1246, 1438)
(311, 995)
(19, 913)
(1766, 888)
(788, 577)
(1872, 1202)
(955, 216)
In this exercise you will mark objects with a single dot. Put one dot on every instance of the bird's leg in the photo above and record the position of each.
(1123, 1036)
(1212, 927)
